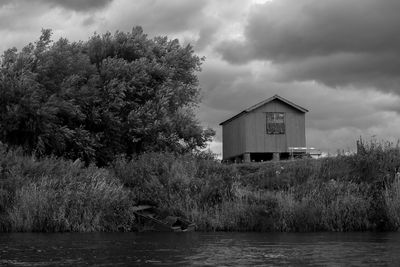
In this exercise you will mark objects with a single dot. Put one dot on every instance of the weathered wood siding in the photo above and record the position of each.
(247, 133)
(233, 134)
(257, 140)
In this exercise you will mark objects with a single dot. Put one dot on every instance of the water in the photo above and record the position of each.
(200, 249)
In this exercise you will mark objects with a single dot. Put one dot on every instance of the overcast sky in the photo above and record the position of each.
(340, 59)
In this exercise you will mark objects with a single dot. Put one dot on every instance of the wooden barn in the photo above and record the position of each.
(268, 130)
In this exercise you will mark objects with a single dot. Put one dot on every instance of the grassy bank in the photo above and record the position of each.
(345, 193)
(57, 195)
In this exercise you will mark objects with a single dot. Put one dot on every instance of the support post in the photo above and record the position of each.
(246, 157)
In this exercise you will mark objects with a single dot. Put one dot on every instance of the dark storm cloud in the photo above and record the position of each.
(335, 42)
(24, 15)
(361, 69)
(206, 35)
(173, 15)
(157, 16)
(314, 27)
(4, 2)
(79, 5)
(76, 5)
(222, 81)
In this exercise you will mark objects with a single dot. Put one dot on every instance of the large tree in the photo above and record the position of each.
(121, 93)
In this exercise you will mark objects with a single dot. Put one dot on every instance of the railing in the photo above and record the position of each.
(304, 150)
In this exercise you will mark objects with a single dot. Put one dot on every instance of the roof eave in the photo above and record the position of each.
(291, 103)
(234, 117)
(299, 108)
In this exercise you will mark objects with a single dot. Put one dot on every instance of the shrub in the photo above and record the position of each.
(344, 193)
(85, 203)
(392, 202)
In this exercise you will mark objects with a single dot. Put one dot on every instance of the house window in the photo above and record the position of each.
(275, 123)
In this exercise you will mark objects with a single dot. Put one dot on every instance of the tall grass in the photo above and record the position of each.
(345, 193)
(91, 204)
(337, 206)
(56, 195)
(392, 201)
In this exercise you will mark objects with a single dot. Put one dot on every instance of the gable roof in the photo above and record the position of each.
(262, 103)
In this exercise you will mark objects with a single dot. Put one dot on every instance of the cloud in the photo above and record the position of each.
(21, 21)
(335, 42)
(379, 70)
(155, 16)
(289, 29)
(202, 23)
(79, 5)
(75, 5)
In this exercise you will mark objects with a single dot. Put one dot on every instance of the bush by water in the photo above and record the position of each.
(345, 193)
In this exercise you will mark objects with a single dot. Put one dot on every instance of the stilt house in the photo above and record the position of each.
(264, 131)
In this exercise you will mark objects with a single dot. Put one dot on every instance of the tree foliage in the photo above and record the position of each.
(120, 93)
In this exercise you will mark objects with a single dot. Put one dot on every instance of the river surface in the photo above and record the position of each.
(200, 249)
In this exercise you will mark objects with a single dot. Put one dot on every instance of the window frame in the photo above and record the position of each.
(280, 123)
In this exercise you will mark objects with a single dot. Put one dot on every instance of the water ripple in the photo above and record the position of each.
(200, 249)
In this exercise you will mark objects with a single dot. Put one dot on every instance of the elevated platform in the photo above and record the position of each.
(294, 153)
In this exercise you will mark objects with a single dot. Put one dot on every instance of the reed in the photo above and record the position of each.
(392, 201)
(344, 193)
(52, 195)
(90, 203)
(337, 206)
